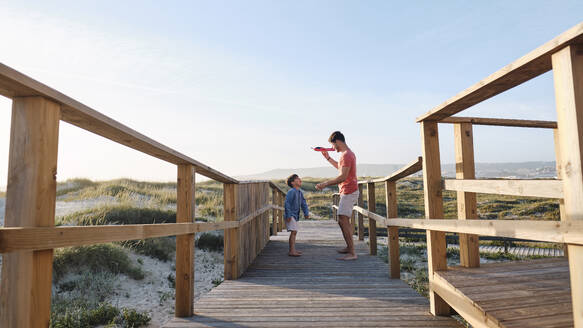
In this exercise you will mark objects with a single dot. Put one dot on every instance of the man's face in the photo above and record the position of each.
(297, 182)
(335, 145)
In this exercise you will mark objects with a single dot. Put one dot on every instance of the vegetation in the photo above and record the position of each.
(210, 241)
(118, 214)
(159, 248)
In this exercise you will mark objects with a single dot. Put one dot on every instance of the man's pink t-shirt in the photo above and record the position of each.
(350, 185)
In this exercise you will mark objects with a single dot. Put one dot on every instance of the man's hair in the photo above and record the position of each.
(336, 135)
(291, 179)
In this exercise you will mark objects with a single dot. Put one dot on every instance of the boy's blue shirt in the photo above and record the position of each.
(294, 200)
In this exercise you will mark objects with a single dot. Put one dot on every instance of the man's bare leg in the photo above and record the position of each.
(344, 250)
(345, 226)
(292, 244)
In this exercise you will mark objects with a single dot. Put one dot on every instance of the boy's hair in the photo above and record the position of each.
(291, 179)
(336, 135)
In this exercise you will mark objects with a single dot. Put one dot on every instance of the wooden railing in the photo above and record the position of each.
(29, 236)
(564, 55)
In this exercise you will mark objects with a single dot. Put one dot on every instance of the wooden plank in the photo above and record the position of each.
(530, 188)
(547, 231)
(433, 199)
(360, 217)
(25, 292)
(523, 69)
(231, 242)
(185, 213)
(372, 224)
(29, 238)
(568, 81)
(274, 212)
(559, 169)
(15, 84)
(501, 122)
(463, 305)
(410, 168)
(248, 218)
(467, 207)
(392, 232)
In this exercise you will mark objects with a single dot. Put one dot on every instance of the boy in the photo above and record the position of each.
(294, 200)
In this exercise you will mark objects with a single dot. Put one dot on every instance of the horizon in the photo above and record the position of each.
(274, 79)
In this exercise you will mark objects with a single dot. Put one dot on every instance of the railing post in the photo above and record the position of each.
(25, 292)
(568, 79)
(436, 246)
(392, 232)
(466, 201)
(274, 213)
(372, 224)
(281, 212)
(560, 177)
(185, 213)
(360, 217)
(352, 222)
(231, 242)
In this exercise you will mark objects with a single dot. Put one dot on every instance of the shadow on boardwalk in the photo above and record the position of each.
(314, 290)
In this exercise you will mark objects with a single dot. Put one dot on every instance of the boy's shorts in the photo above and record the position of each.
(346, 203)
(292, 225)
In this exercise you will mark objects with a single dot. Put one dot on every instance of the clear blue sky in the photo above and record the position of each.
(247, 86)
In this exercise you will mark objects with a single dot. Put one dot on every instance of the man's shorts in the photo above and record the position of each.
(292, 225)
(346, 203)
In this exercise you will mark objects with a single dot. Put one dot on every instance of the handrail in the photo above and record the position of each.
(523, 69)
(15, 84)
(501, 122)
(410, 168)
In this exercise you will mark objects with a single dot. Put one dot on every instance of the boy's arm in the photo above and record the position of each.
(305, 207)
(287, 206)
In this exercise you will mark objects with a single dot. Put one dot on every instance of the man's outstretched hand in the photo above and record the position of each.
(321, 186)
(325, 154)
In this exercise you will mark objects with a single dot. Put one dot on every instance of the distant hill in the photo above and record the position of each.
(520, 170)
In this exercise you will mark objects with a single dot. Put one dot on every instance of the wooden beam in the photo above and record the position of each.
(392, 232)
(436, 244)
(501, 122)
(523, 69)
(568, 81)
(560, 177)
(248, 218)
(530, 188)
(14, 239)
(372, 224)
(546, 231)
(231, 242)
(410, 168)
(274, 212)
(467, 207)
(463, 305)
(25, 290)
(185, 213)
(360, 217)
(15, 84)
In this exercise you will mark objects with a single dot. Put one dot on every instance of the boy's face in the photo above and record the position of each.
(297, 183)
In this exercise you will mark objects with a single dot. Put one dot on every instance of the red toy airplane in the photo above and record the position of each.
(322, 149)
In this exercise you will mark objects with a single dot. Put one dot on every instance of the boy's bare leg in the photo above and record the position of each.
(346, 228)
(292, 244)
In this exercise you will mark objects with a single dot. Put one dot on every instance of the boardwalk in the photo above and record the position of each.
(314, 290)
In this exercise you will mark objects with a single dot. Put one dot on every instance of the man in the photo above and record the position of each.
(348, 185)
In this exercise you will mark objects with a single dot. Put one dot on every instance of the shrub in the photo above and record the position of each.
(118, 215)
(159, 248)
(210, 241)
(131, 318)
(95, 258)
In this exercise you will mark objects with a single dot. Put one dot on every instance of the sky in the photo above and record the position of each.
(249, 86)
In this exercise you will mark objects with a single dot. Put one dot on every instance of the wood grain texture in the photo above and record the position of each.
(530, 188)
(231, 241)
(568, 81)
(25, 290)
(433, 199)
(523, 69)
(392, 232)
(314, 290)
(501, 122)
(372, 224)
(185, 213)
(467, 206)
(517, 294)
(360, 217)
